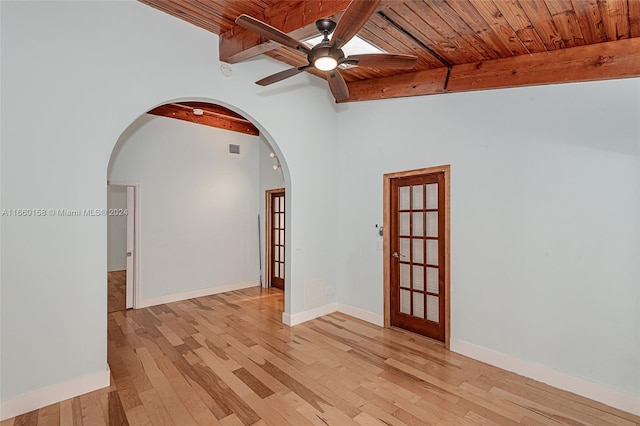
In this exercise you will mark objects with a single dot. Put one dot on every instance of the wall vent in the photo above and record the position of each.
(234, 149)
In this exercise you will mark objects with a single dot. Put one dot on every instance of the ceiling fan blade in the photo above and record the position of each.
(384, 60)
(267, 31)
(337, 85)
(354, 17)
(274, 78)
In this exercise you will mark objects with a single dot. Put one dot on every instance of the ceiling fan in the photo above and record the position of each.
(327, 55)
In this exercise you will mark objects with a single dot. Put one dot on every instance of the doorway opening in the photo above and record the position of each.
(416, 252)
(220, 181)
(122, 240)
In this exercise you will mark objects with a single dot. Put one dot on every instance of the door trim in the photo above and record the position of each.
(268, 261)
(386, 239)
(136, 238)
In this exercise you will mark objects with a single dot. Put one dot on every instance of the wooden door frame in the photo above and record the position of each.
(386, 212)
(268, 261)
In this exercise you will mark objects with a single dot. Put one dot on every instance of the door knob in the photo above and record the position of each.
(395, 254)
(128, 254)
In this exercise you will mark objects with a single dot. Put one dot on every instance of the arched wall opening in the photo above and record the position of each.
(201, 220)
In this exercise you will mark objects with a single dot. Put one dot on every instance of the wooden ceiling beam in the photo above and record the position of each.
(209, 117)
(602, 61)
(429, 82)
(294, 18)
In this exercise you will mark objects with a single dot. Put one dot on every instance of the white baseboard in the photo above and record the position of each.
(300, 317)
(52, 394)
(286, 319)
(612, 397)
(361, 314)
(176, 297)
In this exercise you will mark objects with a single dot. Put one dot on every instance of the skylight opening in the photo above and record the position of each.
(357, 45)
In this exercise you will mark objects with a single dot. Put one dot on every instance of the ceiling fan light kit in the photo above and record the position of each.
(325, 63)
(327, 55)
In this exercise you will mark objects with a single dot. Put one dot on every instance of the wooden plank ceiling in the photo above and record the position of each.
(461, 45)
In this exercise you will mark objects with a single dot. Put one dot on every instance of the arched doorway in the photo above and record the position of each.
(200, 182)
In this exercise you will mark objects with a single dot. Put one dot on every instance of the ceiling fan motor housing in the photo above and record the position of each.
(325, 25)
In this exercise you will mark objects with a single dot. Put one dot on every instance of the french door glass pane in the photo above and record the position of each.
(432, 196)
(418, 305)
(432, 224)
(433, 313)
(405, 224)
(417, 197)
(405, 301)
(432, 252)
(417, 226)
(404, 248)
(418, 277)
(418, 250)
(432, 280)
(403, 198)
(405, 275)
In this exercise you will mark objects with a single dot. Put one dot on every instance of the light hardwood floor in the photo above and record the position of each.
(116, 291)
(228, 360)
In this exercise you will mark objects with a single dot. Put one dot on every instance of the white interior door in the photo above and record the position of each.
(130, 244)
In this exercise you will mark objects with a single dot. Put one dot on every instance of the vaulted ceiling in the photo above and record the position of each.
(461, 45)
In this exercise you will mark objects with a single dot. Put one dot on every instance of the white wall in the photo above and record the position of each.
(545, 209)
(116, 229)
(269, 179)
(75, 75)
(198, 205)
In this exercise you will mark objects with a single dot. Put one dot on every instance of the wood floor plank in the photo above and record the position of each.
(138, 416)
(165, 391)
(365, 419)
(267, 413)
(116, 413)
(228, 360)
(49, 415)
(92, 414)
(286, 410)
(66, 412)
(252, 382)
(188, 395)
(27, 419)
(155, 409)
(76, 409)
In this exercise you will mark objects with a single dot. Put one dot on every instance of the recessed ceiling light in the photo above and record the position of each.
(198, 111)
